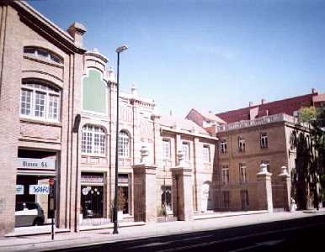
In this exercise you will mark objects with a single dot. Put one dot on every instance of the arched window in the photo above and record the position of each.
(123, 144)
(39, 100)
(42, 54)
(93, 140)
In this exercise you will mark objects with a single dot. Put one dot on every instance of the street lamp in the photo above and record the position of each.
(118, 51)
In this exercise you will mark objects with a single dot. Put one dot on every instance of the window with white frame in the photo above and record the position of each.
(42, 54)
(166, 149)
(93, 140)
(124, 144)
(223, 146)
(186, 150)
(241, 144)
(41, 101)
(242, 173)
(225, 174)
(206, 153)
(263, 140)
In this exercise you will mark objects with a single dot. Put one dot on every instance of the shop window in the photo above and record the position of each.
(92, 201)
(93, 140)
(40, 101)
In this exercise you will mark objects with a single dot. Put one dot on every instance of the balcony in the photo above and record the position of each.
(257, 122)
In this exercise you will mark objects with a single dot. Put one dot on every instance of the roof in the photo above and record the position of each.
(182, 124)
(287, 106)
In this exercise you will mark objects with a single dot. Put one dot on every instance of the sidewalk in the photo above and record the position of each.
(40, 239)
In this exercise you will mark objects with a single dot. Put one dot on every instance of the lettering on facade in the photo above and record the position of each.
(32, 163)
(92, 179)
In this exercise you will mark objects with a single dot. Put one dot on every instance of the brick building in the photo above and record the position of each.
(58, 117)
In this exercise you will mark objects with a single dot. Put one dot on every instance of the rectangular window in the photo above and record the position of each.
(241, 144)
(244, 199)
(53, 107)
(223, 146)
(226, 199)
(225, 174)
(124, 145)
(186, 151)
(166, 149)
(93, 140)
(263, 140)
(40, 104)
(242, 173)
(26, 102)
(206, 153)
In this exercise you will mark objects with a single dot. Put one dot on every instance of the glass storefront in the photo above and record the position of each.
(92, 195)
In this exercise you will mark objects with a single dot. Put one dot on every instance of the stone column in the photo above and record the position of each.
(264, 189)
(145, 203)
(182, 191)
(286, 180)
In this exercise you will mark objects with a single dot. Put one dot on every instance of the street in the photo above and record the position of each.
(275, 236)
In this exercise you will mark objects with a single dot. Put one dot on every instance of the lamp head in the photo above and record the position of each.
(121, 48)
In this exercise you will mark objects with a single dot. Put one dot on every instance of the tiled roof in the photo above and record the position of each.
(287, 106)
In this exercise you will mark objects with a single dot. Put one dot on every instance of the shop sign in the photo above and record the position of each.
(39, 189)
(92, 179)
(33, 163)
(19, 189)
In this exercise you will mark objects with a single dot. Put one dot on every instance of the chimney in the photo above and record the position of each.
(250, 104)
(77, 30)
(313, 91)
(263, 101)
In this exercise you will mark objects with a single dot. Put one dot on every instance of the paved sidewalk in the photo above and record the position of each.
(40, 239)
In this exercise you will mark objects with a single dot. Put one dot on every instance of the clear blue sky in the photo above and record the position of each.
(207, 54)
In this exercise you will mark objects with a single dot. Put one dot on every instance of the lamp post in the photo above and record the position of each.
(165, 200)
(118, 51)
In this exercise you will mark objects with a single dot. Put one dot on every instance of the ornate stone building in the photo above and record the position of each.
(252, 136)
(58, 122)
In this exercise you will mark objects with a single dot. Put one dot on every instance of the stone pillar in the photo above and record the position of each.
(286, 180)
(145, 203)
(182, 191)
(264, 189)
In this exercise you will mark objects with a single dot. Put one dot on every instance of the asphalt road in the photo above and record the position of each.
(288, 235)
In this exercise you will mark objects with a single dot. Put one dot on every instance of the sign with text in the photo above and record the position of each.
(34, 163)
(19, 189)
(39, 189)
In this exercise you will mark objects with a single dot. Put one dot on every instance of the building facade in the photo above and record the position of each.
(58, 123)
(255, 135)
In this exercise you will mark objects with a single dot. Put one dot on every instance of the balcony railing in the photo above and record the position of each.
(256, 122)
